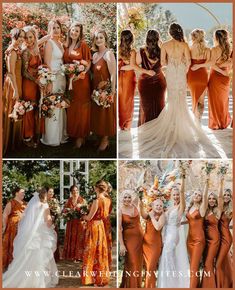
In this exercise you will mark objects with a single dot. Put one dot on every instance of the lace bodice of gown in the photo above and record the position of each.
(56, 57)
(173, 218)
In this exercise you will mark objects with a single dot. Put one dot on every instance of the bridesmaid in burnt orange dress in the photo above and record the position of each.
(151, 88)
(198, 80)
(75, 232)
(95, 266)
(219, 81)
(12, 91)
(78, 114)
(212, 235)
(152, 246)
(11, 217)
(224, 273)
(126, 80)
(31, 62)
(196, 238)
(131, 242)
(103, 120)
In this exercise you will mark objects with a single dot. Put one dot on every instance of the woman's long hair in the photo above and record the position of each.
(215, 208)
(222, 36)
(152, 40)
(198, 37)
(176, 31)
(80, 38)
(102, 31)
(229, 208)
(126, 42)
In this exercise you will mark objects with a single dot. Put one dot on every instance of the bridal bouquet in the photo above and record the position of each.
(223, 169)
(49, 103)
(72, 70)
(184, 165)
(55, 210)
(103, 96)
(45, 76)
(20, 108)
(208, 167)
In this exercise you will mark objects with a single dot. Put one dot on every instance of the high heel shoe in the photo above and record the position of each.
(104, 145)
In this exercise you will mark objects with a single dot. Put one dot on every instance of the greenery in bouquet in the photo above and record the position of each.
(208, 167)
(55, 209)
(223, 169)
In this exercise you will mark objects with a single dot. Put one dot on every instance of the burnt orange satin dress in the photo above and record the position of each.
(133, 240)
(152, 249)
(95, 262)
(11, 230)
(197, 82)
(103, 120)
(74, 235)
(195, 244)
(212, 246)
(31, 93)
(12, 131)
(218, 100)
(78, 114)
(152, 90)
(126, 92)
(224, 273)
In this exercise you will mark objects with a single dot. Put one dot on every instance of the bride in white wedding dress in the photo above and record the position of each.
(56, 126)
(33, 264)
(174, 268)
(175, 133)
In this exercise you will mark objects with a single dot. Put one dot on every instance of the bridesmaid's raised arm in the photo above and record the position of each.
(158, 225)
(220, 198)
(182, 195)
(43, 39)
(142, 210)
(48, 54)
(92, 212)
(204, 204)
(111, 63)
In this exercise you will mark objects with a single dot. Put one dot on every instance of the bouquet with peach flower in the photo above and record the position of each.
(103, 95)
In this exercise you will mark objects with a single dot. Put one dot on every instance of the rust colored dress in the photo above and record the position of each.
(108, 228)
(78, 114)
(11, 230)
(95, 262)
(74, 235)
(133, 240)
(224, 273)
(12, 130)
(103, 120)
(212, 246)
(152, 249)
(197, 82)
(126, 92)
(152, 90)
(195, 244)
(218, 100)
(30, 92)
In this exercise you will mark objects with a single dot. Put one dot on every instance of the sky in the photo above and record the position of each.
(191, 16)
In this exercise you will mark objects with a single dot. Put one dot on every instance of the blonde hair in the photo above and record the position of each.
(198, 37)
(229, 208)
(129, 192)
(215, 208)
(191, 202)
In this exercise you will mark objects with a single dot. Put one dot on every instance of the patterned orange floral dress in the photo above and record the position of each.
(95, 269)
(17, 209)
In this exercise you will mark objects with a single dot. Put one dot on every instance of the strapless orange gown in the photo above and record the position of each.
(152, 249)
(197, 82)
(224, 273)
(11, 230)
(218, 100)
(211, 251)
(133, 240)
(30, 92)
(195, 244)
(126, 92)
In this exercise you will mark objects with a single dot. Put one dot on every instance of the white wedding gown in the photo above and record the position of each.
(33, 264)
(56, 127)
(175, 133)
(173, 271)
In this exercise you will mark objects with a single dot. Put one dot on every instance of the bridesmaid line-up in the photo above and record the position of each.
(152, 85)
(23, 57)
(88, 239)
(209, 238)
